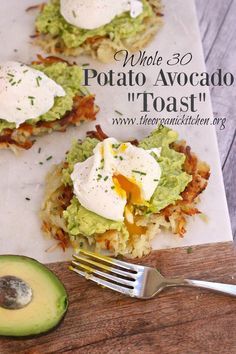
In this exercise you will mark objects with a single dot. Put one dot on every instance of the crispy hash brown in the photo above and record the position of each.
(173, 218)
(102, 47)
(84, 108)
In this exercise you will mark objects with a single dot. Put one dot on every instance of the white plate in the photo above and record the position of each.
(22, 176)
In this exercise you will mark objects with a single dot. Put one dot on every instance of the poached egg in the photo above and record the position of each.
(25, 93)
(91, 14)
(116, 177)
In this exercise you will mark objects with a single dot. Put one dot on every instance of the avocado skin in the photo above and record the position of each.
(57, 285)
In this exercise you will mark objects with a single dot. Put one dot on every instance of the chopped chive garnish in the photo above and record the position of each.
(39, 150)
(156, 180)
(106, 178)
(86, 64)
(74, 14)
(38, 79)
(121, 114)
(25, 71)
(31, 99)
(13, 83)
(112, 187)
(48, 158)
(99, 177)
(40, 163)
(121, 158)
(11, 75)
(18, 108)
(82, 92)
(115, 146)
(27, 198)
(19, 81)
(139, 172)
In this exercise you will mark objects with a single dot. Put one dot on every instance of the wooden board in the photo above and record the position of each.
(217, 24)
(180, 320)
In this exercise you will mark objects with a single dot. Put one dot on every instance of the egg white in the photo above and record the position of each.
(91, 14)
(25, 93)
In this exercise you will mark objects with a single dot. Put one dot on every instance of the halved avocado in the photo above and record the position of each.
(49, 298)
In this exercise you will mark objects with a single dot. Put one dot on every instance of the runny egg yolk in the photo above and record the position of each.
(134, 229)
(123, 147)
(126, 188)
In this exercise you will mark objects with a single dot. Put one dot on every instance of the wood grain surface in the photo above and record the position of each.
(180, 320)
(217, 20)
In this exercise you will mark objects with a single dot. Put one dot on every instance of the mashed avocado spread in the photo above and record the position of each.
(172, 183)
(50, 21)
(70, 78)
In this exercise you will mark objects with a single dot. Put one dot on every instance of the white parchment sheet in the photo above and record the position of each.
(22, 176)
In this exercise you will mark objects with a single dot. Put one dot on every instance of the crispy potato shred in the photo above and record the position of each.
(51, 59)
(174, 217)
(84, 109)
(35, 7)
(64, 196)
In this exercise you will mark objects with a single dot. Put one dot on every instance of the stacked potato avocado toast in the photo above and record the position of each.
(75, 106)
(183, 178)
(55, 35)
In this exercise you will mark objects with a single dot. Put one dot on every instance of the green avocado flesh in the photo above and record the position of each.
(70, 78)
(50, 21)
(172, 183)
(48, 305)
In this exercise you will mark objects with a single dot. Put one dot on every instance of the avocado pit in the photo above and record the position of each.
(15, 294)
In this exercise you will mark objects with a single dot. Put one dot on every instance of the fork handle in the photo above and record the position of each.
(229, 289)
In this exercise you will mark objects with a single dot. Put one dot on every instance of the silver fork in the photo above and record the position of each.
(134, 280)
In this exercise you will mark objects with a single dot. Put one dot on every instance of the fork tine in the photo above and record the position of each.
(102, 282)
(104, 267)
(124, 265)
(104, 275)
